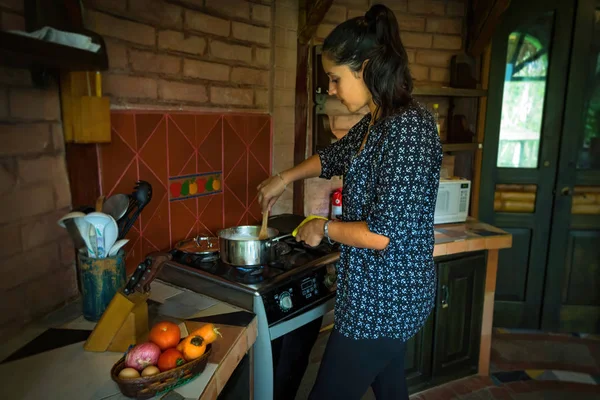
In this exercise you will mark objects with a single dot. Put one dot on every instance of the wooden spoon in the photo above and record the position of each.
(263, 234)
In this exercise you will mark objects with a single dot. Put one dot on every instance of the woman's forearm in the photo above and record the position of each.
(356, 234)
(309, 168)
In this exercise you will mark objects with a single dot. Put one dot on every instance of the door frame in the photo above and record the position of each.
(545, 175)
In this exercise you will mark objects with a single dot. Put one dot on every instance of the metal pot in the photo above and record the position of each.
(196, 249)
(239, 246)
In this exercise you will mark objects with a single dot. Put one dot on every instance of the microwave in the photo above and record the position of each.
(452, 204)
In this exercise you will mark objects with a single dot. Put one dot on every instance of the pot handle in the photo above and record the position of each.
(278, 238)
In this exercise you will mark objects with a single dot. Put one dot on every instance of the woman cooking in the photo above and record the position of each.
(390, 161)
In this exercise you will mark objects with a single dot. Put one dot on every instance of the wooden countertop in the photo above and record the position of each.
(47, 361)
(472, 235)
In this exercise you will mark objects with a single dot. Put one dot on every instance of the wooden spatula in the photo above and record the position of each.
(263, 234)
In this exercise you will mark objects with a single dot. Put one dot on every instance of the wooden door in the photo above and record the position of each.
(459, 309)
(572, 288)
(528, 76)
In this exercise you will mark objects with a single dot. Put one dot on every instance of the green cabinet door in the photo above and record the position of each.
(459, 309)
(417, 361)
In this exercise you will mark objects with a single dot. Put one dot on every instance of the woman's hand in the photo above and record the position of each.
(269, 191)
(312, 232)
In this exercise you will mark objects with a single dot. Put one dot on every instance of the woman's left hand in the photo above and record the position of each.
(312, 232)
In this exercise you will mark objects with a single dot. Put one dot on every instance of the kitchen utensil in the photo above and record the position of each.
(93, 239)
(239, 245)
(84, 231)
(100, 203)
(126, 315)
(117, 246)
(262, 235)
(111, 233)
(68, 222)
(116, 205)
(139, 199)
(99, 221)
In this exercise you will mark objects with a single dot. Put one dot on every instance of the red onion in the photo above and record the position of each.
(142, 355)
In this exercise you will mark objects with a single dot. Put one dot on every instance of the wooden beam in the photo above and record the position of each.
(300, 121)
(315, 12)
(84, 179)
(486, 16)
(310, 16)
(481, 112)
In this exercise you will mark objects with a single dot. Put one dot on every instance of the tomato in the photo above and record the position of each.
(165, 334)
(169, 359)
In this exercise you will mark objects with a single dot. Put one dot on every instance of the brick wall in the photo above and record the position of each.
(203, 55)
(36, 256)
(432, 31)
(186, 54)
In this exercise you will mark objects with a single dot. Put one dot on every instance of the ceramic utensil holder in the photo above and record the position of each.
(100, 279)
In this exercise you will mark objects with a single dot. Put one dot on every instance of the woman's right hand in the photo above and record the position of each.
(269, 192)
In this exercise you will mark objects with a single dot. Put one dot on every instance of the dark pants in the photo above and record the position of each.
(350, 366)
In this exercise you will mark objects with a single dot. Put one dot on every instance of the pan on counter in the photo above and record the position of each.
(196, 249)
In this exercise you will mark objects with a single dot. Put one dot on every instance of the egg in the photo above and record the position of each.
(150, 370)
(128, 373)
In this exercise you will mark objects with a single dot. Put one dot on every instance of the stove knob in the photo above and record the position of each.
(285, 301)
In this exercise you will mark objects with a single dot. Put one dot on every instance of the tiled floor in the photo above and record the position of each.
(525, 366)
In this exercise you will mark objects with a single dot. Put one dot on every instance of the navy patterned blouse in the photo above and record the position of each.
(391, 184)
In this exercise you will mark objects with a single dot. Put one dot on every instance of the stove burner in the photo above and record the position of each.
(246, 275)
(281, 248)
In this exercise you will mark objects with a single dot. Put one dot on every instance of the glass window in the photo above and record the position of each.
(523, 97)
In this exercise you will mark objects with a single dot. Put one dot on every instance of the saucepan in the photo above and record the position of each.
(240, 246)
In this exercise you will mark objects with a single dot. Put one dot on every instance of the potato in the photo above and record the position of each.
(150, 370)
(128, 373)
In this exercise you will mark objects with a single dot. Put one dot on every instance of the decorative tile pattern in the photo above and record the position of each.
(234, 150)
(196, 185)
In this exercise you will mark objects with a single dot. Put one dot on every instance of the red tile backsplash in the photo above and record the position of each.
(155, 146)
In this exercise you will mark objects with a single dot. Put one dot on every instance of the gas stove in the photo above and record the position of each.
(299, 276)
(289, 295)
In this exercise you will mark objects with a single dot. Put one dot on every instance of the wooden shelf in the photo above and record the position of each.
(448, 91)
(24, 52)
(460, 146)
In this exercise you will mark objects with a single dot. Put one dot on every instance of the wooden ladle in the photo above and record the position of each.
(263, 234)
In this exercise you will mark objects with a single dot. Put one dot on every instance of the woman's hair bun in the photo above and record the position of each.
(382, 22)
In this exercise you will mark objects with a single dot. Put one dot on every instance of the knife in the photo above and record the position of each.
(145, 273)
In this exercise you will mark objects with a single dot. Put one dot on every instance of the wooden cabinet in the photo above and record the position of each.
(458, 314)
(417, 361)
(447, 347)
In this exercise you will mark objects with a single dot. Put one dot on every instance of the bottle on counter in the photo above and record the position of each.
(336, 204)
(436, 116)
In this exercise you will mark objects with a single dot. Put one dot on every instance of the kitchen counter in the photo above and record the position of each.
(471, 235)
(47, 360)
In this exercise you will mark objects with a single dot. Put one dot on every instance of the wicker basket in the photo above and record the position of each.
(149, 386)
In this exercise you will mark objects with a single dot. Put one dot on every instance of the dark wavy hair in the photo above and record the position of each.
(374, 37)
